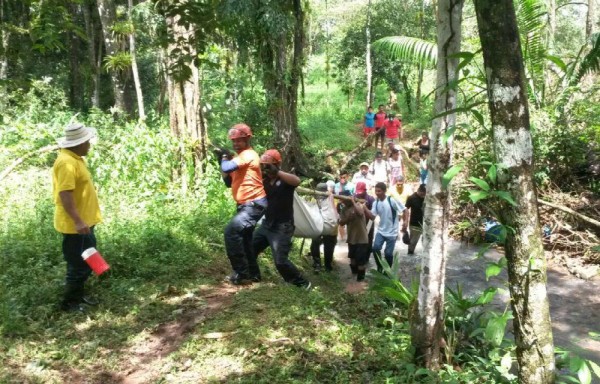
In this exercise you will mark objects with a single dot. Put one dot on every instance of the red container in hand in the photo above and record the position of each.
(94, 259)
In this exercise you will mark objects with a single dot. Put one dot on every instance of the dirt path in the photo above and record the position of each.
(574, 303)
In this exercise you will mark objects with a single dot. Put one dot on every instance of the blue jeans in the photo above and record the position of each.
(390, 243)
(279, 237)
(238, 234)
(423, 176)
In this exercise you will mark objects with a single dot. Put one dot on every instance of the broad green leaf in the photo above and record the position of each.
(575, 363)
(492, 173)
(595, 368)
(487, 295)
(505, 196)
(584, 374)
(408, 48)
(475, 196)
(492, 270)
(494, 331)
(480, 183)
(449, 175)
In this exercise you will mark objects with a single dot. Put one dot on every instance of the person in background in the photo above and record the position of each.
(393, 129)
(413, 216)
(423, 171)
(379, 169)
(363, 175)
(244, 176)
(353, 215)
(346, 188)
(369, 122)
(277, 228)
(330, 231)
(76, 213)
(399, 191)
(361, 193)
(396, 166)
(388, 210)
(380, 117)
(423, 143)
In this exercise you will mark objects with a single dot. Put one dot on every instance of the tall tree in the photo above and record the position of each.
(93, 31)
(183, 88)
(117, 63)
(275, 32)
(368, 56)
(513, 149)
(75, 78)
(134, 66)
(427, 318)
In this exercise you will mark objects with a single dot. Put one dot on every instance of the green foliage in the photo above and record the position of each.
(591, 61)
(119, 61)
(408, 49)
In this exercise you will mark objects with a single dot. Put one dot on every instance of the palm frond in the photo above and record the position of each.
(530, 18)
(590, 62)
(408, 49)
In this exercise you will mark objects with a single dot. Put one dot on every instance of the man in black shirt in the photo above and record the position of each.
(277, 228)
(413, 214)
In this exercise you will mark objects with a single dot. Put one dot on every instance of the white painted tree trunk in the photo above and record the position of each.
(427, 318)
(134, 66)
(514, 153)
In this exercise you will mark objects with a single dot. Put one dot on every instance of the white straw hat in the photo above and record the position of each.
(75, 134)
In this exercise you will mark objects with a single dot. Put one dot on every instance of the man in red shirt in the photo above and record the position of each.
(242, 173)
(393, 129)
(379, 121)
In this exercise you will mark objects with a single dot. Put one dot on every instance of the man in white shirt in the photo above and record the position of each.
(363, 175)
(380, 169)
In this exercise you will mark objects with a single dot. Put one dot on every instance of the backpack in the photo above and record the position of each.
(389, 200)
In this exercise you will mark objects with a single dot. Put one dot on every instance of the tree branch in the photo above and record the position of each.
(572, 212)
(21, 159)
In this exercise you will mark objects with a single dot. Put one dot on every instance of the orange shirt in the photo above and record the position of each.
(246, 181)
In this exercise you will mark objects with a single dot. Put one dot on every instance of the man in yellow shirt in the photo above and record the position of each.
(76, 211)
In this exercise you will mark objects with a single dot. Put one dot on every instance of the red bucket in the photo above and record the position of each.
(95, 261)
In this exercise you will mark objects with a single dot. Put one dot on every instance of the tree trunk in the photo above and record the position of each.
(184, 103)
(75, 78)
(281, 80)
(93, 31)
(134, 67)
(4, 39)
(368, 56)
(428, 313)
(513, 148)
(591, 19)
(107, 12)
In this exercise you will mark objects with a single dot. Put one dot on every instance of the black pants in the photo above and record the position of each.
(78, 270)
(358, 254)
(329, 242)
(279, 237)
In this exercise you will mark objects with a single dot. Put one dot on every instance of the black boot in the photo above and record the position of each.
(73, 298)
(354, 269)
(360, 276)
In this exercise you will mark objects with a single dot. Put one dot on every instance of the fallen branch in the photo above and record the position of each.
(307, 191)
(21, 159)
(572, 212)
(357, 151)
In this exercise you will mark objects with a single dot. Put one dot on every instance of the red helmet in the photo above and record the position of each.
(239, 130)
(271, 156)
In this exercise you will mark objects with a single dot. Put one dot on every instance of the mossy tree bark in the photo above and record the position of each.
(513, 149)
(427, 318)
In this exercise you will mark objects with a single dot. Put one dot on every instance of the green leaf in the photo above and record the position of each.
(448, 133)
(449, 175)
(558, 61)
(505, 196)
(584, 374)
(492, 173)
(575, 363)
(475, 196)
(595, 368)
(487, 295)
(492, 270)
(480, 183)
(478, 116)
(408, 48)
(494, 331)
